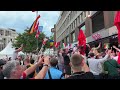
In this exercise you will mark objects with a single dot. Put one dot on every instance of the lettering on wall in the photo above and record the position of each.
(96, 36)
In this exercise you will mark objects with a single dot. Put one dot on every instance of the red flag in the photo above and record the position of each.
(36, 27)
(44, 41)
(117, 24)
(36, 22)
(118, 58)
(38, 32)
(56, 44)
(37, 35)
(82, 41)
(32, 29)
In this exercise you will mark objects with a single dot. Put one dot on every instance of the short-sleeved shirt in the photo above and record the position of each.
(55, 73)
(81, 75)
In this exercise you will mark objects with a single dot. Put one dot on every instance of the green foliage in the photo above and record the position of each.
(29, 41)
(52, 37)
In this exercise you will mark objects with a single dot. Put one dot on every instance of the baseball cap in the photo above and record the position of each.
(2, 62)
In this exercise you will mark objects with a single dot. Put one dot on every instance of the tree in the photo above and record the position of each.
(52, 37)
(29, 41)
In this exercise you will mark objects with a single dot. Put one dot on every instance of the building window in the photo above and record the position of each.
(69, 18)
(71, 14)
(67, 40)
(82, 16)
(74, 24)
(98, 22)
(73, 37)
(70, 28)
(78, 20)
(85, 14)
(65, 22)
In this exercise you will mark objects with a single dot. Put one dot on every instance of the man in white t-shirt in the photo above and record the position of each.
(15, 53)
(95, 64)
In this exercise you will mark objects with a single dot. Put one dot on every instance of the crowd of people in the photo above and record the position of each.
(67, 64)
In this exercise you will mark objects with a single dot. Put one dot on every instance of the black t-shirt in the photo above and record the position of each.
(66, 59)
(81, 75)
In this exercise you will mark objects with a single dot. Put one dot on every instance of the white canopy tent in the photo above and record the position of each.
(8, 50)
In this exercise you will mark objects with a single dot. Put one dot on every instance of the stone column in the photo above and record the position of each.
(108, 18)
(88, 26)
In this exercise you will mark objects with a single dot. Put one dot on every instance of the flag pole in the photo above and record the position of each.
(37, 38)
(41, 49)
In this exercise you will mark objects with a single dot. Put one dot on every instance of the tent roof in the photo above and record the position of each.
(8, 50)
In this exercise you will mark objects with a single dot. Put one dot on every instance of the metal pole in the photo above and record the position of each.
(49, 51)
(41, 49)
(37, 38)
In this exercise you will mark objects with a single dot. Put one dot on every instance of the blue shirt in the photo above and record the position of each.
(55, 73)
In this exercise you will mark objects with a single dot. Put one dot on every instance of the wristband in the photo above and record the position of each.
(45, 65)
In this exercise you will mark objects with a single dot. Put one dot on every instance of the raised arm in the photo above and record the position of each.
(19, 49)
(33, 68)
(116, 48)
(44, 70)
(106, 56)
(98, 46)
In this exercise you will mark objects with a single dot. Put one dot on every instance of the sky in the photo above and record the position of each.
(20, 20)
